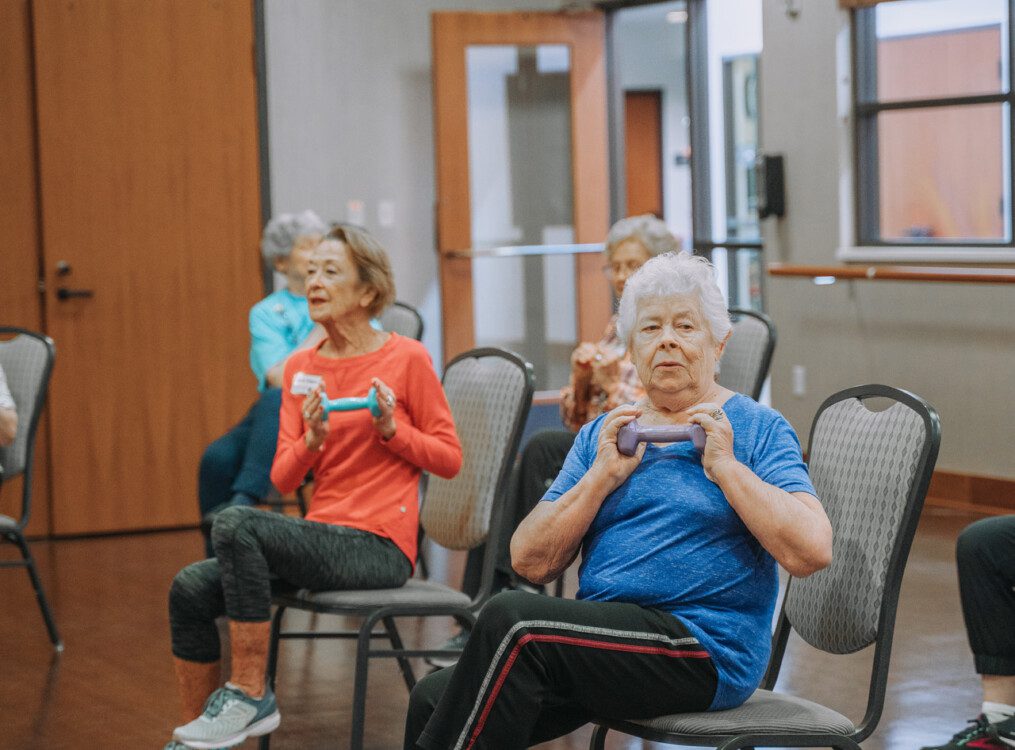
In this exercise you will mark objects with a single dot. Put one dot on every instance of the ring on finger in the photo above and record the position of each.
(717, 415)
(390, 399)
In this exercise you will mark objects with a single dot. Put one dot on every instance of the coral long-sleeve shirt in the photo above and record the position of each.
(360, 480)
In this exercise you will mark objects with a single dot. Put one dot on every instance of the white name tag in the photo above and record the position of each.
(304, 383)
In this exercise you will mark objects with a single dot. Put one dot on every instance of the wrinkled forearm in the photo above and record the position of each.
(793, 527)
(548, 539)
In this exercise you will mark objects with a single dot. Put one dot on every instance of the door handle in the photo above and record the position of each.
(65, 293)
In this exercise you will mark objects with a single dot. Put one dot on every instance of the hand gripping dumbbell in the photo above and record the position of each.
(633, 433)
(351, 404)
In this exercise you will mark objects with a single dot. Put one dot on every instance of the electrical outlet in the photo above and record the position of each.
(799, 379)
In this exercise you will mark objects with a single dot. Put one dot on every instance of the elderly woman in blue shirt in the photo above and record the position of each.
(678, 580)
(234, 468)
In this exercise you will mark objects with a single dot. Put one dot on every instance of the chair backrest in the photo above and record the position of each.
(748, 353)
(27, 361)
(490, 392)
(871, 470)
(403, 319)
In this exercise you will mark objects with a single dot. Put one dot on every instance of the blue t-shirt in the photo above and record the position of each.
(668, 539)
(278, 324)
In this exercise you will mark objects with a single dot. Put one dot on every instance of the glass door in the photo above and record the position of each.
(520, 103)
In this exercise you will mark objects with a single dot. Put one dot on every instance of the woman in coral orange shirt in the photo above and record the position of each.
(361, 527)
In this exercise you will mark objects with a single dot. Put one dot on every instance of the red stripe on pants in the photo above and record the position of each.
(569, 641)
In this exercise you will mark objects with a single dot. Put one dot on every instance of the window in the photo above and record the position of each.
(932, 104)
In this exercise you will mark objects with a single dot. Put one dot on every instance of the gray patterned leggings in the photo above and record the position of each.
(257, 553)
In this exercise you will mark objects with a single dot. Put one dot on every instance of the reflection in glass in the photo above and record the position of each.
(520, 184)
(961, 46)
(936, 182)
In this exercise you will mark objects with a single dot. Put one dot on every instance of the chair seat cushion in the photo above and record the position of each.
(7, 523)
(764, 712)
(415, 592)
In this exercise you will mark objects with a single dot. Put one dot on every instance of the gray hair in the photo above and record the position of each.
(281, 233)
(671, 274)
(650, 232)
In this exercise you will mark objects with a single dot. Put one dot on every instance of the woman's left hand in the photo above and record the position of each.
(385, 423)
(606, 368)
(718, 436)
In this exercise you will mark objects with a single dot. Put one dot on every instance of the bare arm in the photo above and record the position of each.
(793, 527)
(548, 539)
(8, 425)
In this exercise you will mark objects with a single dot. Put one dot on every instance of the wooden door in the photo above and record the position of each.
(583, 33)
(149, 191)
(643, 152)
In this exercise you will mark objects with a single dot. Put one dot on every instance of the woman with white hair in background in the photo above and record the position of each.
(678, 580)
(234, 468)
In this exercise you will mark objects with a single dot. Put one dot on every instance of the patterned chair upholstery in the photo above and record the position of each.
(748, 353)
(871, 470)
(490, 392)
(27, 361)
(404, 320)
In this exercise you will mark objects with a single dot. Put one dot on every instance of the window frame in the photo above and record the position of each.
(866, 219)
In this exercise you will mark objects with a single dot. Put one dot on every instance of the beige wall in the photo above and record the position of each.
(952, 344)
(350, 116)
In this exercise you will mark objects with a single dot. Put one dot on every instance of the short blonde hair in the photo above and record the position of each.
(371, 263)
(672, 274)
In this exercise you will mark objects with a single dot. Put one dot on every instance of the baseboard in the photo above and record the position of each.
(990, 495)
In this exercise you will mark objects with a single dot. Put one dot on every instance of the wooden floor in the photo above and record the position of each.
(113, 687)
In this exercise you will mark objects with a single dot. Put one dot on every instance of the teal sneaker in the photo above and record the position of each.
(230, 716)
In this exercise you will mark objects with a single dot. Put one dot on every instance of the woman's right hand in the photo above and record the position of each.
(610, 461)
(315, 419)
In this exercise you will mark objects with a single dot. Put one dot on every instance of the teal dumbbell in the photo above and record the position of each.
(352, 404)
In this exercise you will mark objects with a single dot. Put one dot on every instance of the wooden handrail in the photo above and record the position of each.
(898, 273)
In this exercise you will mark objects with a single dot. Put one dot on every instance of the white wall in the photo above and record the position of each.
(350, 118)
(953, 344)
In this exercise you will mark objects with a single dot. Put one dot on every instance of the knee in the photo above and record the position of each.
(190, 589)
(974, 538)
(230, 523)
(509, 608)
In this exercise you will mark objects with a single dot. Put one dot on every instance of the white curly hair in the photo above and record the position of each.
(671, 274)
(650, 232)
(281, 233)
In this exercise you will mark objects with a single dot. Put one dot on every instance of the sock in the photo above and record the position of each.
(997, 712)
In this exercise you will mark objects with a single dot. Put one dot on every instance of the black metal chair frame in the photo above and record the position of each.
(30, 422)
(766, 357)
(385, 616)
(886, 620)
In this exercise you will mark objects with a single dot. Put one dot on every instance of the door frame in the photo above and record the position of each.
(585, 34)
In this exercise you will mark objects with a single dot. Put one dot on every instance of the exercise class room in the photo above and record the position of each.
(494, 374)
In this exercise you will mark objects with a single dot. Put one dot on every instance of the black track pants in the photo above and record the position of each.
(537, 667)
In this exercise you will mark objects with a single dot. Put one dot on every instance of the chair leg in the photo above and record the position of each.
(359, 691)
(47, 615)
(396, 643)
(598, 739)
(276, 627)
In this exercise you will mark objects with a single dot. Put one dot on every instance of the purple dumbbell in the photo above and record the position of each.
(633, 433)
